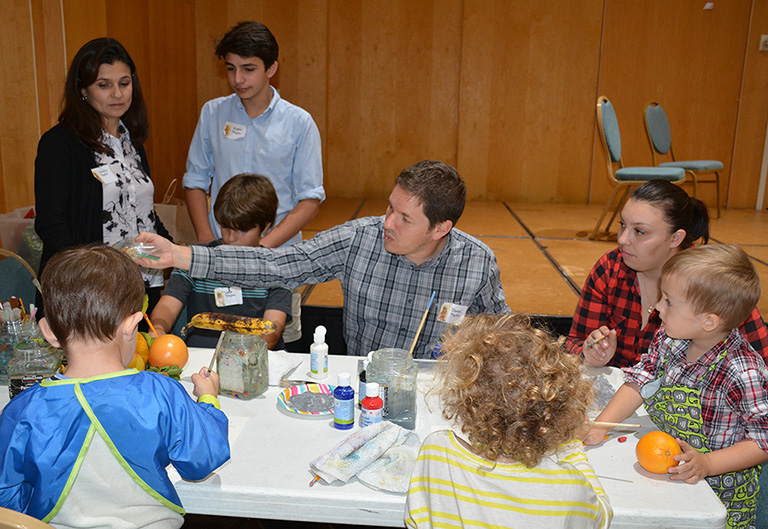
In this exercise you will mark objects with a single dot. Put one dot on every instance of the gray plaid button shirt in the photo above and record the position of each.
(385, 295)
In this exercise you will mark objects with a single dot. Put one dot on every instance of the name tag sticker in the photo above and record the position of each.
(233, 131)
(228, 296)
(451, 312)
(104, 174)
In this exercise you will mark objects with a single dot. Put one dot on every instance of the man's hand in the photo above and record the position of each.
(168, 254)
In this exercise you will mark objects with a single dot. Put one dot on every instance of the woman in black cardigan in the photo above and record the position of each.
(92, 181)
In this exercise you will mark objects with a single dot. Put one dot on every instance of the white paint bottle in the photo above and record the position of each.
(318, 355)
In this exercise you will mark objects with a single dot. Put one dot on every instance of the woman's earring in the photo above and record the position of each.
(85, 97)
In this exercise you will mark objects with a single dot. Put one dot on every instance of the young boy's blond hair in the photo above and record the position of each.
(512, 388)
(719, 279)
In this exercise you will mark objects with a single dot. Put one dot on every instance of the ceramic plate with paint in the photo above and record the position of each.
(308, 399)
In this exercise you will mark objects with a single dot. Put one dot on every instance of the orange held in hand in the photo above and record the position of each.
(655, 452)
(168, 350)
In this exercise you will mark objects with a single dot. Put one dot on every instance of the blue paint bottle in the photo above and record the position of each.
(344, 403)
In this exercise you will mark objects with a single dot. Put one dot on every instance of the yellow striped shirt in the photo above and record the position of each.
(452, 487)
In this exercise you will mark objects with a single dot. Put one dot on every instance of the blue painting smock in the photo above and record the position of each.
(145, 420)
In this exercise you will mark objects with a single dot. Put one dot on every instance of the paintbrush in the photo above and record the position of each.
(588, 345)
(216, 352)
(421, 325)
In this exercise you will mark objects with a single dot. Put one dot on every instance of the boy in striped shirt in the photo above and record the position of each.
(519, 400)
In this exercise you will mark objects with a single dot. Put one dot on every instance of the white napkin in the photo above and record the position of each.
(382, 456)
(280, 363)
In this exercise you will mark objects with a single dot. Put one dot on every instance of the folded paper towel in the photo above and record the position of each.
(381, 455)
(280, 364)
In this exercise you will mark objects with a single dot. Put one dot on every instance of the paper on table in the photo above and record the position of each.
(236, 427)
(280, 364)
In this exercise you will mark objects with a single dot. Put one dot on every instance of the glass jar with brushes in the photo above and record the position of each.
(395, 372)
(242, 362)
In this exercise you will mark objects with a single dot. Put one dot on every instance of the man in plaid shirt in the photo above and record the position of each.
(388, 266)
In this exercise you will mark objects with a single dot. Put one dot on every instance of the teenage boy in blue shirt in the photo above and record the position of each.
(255, 131)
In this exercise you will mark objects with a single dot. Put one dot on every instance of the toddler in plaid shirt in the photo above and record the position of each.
(701, 381)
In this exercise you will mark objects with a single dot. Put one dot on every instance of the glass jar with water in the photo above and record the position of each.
(32, 361)
(242, 362)
(395, 372)
(12, 333)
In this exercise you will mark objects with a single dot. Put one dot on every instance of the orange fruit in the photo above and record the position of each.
(137, 362)
(168, 350)
(655, 451)
(142, 349)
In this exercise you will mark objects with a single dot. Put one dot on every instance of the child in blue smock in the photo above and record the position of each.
(90, 449)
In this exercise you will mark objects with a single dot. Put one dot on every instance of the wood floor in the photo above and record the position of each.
(543, 250)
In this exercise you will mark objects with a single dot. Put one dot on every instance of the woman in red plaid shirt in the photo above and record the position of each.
(618, 298)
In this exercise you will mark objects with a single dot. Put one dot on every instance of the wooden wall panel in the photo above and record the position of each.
(503, 89)
(50, 59)
(528, 78)
(392, 96)
(18, 112)
(83, 20)
(753, 116)
(163, 54)
(301, 30)
(211, 22)
(688, 59)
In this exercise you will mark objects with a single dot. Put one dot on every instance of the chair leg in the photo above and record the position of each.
(619, 205)
(602, 215)
(695, 184)
(717, 183)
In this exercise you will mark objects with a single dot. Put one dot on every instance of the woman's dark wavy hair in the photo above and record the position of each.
(681, 211)
(79, 115)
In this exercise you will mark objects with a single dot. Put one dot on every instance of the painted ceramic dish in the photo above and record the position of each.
(308, 399)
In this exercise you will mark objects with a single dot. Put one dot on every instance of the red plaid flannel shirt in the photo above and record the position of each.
(734, 394)
(611, 297)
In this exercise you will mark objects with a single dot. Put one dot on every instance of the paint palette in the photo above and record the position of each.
(308, 399)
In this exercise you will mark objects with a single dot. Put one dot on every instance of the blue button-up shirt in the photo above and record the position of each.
(282, 144)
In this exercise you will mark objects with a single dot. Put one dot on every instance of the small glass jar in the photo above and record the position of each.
(11, 333)
(395, 372)
(242, 362)
(32, 361)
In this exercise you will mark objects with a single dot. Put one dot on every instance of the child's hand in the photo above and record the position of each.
(599, 347)
(595, 435)
(206, 383)
(695, 465)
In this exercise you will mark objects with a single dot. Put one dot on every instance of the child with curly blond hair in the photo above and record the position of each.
(519, 401)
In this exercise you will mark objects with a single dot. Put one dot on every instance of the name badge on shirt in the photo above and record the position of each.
(451, 312)
(233, 131)
(104, 174)
(228, 296)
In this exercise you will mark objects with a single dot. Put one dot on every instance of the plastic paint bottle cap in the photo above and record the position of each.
(372, 389)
